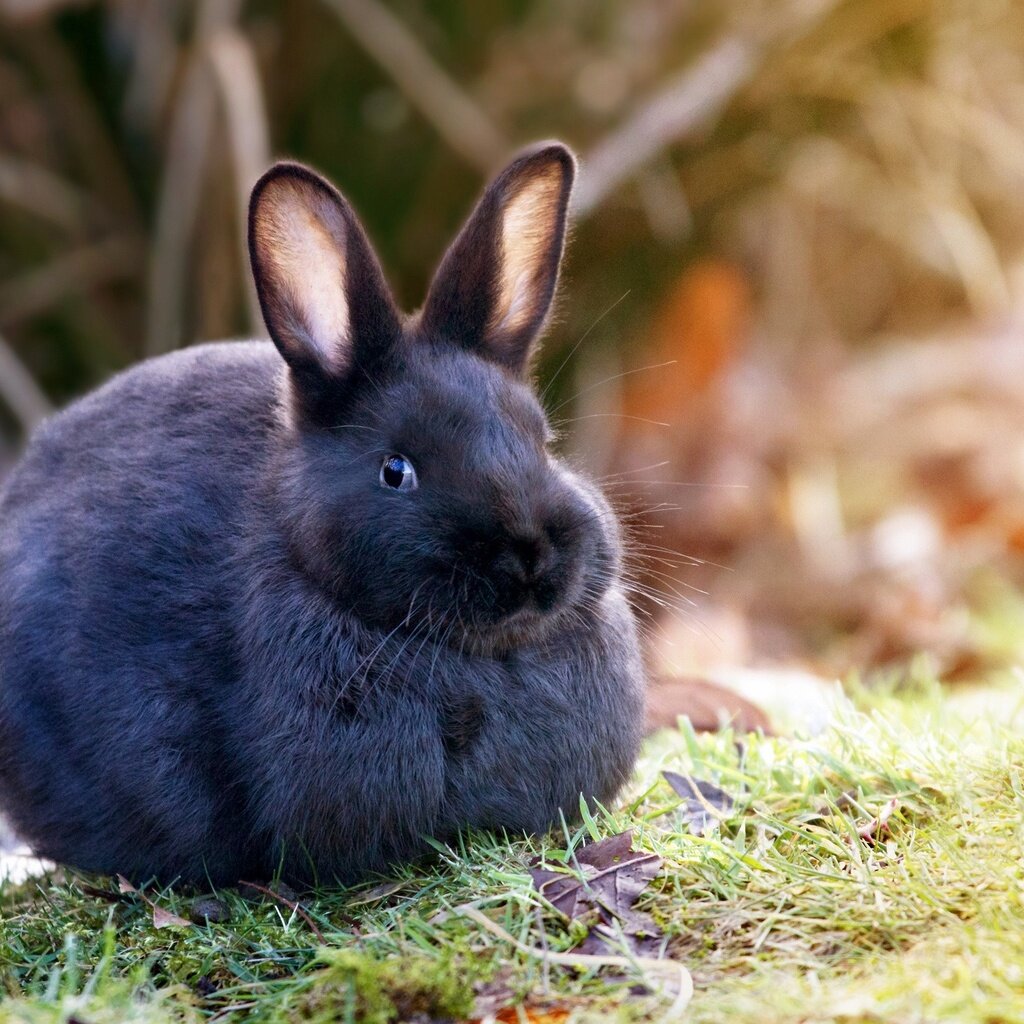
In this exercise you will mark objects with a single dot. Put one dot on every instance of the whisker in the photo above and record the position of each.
(690, 483)
(572, 351)
(627, 472)
(617, 415)
(355, 426)
(608, 380)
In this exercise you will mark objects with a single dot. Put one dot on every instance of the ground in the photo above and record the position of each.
(803, 904)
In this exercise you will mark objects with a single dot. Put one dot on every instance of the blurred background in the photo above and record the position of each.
(791, 329)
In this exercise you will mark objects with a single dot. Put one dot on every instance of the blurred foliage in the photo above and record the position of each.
(864, 170)
(771, 192)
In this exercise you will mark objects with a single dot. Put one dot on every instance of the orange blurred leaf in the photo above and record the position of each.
(701, 325)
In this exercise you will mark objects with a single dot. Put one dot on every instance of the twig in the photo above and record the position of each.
(154, 51)
(21, 393)
(237, 77)
(177, 208)
(878, 826)
(291, 904)
(181, 186)
(456, 116)
(690, 100)
(586, 961)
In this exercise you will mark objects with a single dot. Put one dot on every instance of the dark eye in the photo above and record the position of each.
(396, 472)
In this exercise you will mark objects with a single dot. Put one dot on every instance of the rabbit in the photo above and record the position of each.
(289, 609)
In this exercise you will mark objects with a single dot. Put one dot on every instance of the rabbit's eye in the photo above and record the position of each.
(396, 472)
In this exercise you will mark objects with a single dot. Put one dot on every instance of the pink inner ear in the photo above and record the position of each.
(301, 244)
(528, 225)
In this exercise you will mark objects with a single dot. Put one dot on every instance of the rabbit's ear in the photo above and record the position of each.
(320, 286)
(494, 287)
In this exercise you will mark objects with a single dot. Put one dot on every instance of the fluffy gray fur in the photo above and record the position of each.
(226, 649)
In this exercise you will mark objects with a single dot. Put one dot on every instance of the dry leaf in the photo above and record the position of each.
(161, 918)
(707, 705)
(609, 878)
(165, 919)
(704, 804)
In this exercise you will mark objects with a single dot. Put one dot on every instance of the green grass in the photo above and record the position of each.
(786, 914)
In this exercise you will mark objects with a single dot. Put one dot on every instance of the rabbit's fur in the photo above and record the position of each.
(227, 649)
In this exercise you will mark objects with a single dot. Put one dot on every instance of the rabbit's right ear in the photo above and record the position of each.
(494, 287)
(321, 289)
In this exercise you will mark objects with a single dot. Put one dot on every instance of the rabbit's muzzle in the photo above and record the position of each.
(531, 568)
(535, 562)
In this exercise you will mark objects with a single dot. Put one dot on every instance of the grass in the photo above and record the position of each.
(784, 914)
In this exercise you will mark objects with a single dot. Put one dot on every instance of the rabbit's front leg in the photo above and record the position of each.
(342, 752)
(353, 793)
(539, 730)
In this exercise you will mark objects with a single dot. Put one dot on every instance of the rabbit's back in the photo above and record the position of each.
(116, 597)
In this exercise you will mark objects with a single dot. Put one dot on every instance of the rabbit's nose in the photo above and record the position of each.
(531, 557)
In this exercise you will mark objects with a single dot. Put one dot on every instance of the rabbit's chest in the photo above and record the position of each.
(487, 703)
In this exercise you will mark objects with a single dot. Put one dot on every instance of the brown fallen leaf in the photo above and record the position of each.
(609, 878)
(161, 918)
(704, 804)
(165, 919)
(700, 332)
(708, 706)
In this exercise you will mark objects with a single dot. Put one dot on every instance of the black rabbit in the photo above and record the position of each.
(260, 615)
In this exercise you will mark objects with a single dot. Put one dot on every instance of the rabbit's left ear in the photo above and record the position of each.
(494, 287)
(320, 286)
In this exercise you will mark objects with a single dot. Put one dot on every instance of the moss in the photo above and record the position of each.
(356, 987)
